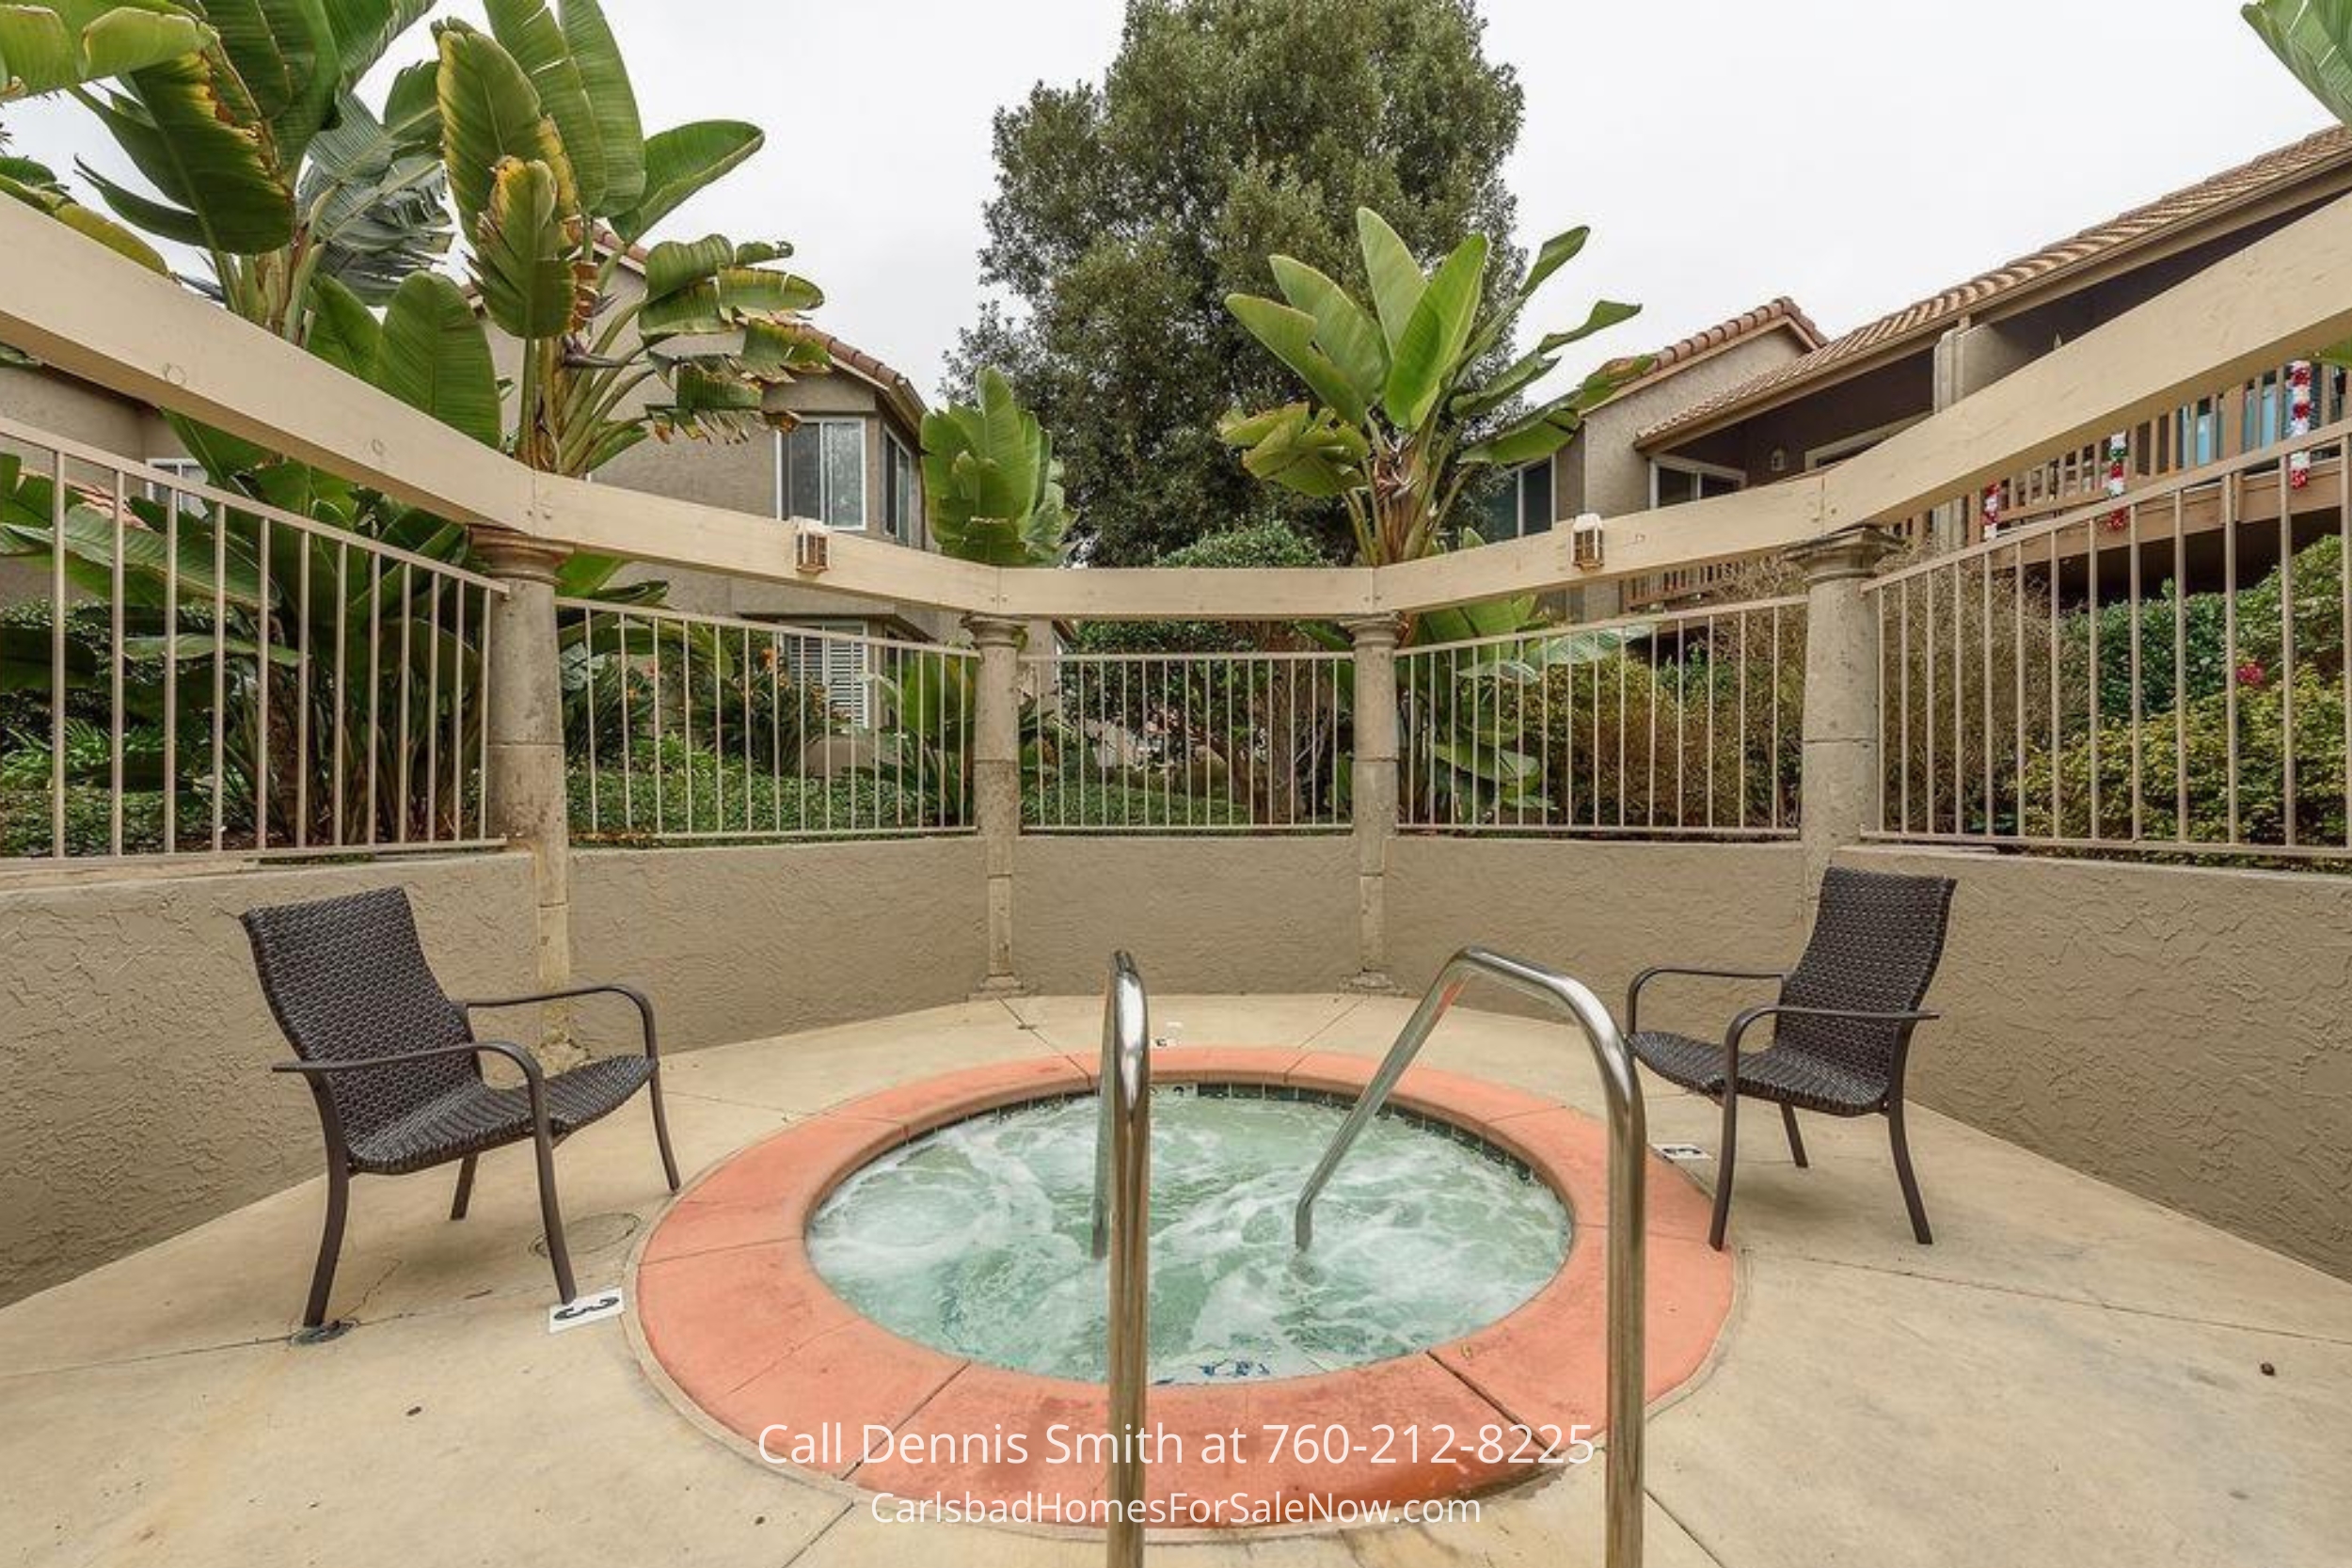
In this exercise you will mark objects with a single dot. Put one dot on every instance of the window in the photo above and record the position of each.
(835, 663)
(1523, 505)
(823, 463)
(903, 490)
(188, 471)
(1675, 480)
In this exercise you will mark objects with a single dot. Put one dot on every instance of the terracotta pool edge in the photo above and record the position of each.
(873, 1124)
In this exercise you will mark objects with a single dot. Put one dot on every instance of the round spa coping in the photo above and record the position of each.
(737, 1321)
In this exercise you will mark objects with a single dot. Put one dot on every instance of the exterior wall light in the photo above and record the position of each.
(1585, 536)
(812, 550)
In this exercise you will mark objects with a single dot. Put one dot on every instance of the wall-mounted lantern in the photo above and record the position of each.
(1584, 538)
(812, 550)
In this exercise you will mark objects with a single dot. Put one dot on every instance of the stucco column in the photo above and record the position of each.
(1841, 693)
(996, 783)
(525, 777)
(1374, 791)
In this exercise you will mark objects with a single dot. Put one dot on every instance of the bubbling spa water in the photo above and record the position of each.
(973, 1239)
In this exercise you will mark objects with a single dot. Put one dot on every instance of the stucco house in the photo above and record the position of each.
(1603, 470)
(1807, 411)
(853, 463)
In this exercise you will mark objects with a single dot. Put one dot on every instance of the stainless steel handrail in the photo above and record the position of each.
(1628, 1141)
(1124, 1156)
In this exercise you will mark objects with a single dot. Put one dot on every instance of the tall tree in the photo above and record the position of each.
(1225, 131)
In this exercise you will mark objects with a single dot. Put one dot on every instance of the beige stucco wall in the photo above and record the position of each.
(1600, 471)
(2184, 1032)
(1199, 913)
(137, 1100)
(1601, 912)
(742, 942)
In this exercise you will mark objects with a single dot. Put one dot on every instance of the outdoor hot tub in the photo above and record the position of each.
(900, 1294)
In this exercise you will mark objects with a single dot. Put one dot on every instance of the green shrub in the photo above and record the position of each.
(704, 793)
(2204, 727)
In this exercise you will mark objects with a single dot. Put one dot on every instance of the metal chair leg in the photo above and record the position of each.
(1796, 1139)
(1723, 1180)
(661, 1129)
(1903, 1173)
(551, 1217)
(330, 1244)
(464, 1189)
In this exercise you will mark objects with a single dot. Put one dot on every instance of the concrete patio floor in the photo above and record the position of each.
(2071, 1375)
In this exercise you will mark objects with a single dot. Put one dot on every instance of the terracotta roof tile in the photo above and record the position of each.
(1775, 312)
(1929, 316)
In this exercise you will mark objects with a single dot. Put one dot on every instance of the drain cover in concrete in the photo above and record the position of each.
(594, 1233)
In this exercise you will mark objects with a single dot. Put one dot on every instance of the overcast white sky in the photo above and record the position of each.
(1854, 156)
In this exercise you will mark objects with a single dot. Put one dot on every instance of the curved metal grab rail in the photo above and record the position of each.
(1628, 1210)
(1123, 1206)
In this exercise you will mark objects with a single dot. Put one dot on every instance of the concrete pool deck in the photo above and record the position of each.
(2071, 1375)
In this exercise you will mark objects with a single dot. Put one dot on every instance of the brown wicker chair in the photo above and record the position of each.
(1841, 1026)
(396, 1070)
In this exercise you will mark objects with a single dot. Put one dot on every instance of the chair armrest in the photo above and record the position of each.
(1739, 1026)
(1633, 992)
(534, 1077)
(637, 998)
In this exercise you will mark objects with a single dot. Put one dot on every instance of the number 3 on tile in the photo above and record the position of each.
(591, 1307)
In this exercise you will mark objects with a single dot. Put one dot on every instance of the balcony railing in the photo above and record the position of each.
(2166, 676)
(194, 672)
(2229, 423)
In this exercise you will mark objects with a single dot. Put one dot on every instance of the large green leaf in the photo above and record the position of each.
(436, 358)
(286, 54)
(681, 161)
(2313, 39)
(534, 38)
(614, 102)
(780, 351)
(412, 108)
(1291, 335)
(674, 264)
(364, 29)
(490, 113)
(1550, 427)
(1508, 383)
(1556, 252)
(1397, 283)
(992, 489)
(1343, 330)
(524, 255)
(191, 128)
(731, 298)
(1425, 359)
(375, 203)
(96, 226)
(45, 48)
(1606, 314)
(1299, 447)
(343, 332)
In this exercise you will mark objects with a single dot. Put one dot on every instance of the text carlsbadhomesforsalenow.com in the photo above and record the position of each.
(1285, 1450)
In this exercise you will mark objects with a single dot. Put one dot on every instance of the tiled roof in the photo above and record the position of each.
(1928, 317)
(866, 368)
(1747, 324)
